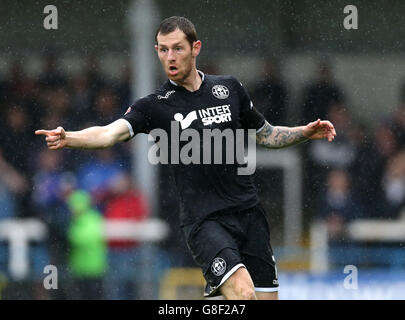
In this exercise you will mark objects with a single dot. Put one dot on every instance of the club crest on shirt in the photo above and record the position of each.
(219, 91)
(218, 266)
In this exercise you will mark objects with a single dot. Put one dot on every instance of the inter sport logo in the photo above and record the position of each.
(208, 116)
(185, 122)
(212, 145)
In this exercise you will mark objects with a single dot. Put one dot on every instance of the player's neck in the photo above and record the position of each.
(192, 82)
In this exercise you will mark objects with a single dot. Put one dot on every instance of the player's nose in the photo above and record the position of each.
(171, 55)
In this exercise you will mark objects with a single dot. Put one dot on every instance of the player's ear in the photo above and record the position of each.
(156, 48)
(196, 48)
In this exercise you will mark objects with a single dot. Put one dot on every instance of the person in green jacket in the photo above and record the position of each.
(88, 251)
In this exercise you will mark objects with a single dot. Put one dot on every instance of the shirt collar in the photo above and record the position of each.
(199, 72)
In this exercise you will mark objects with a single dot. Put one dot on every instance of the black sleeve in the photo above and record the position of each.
(249, 116)
(139, 117)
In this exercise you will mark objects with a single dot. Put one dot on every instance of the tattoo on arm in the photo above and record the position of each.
(279, 137)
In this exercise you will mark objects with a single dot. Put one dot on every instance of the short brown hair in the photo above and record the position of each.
(171, 24)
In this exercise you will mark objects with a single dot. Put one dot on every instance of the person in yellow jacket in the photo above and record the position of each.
(88, 251)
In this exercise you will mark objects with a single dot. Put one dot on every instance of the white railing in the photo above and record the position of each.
(19, 232)
(359, 230)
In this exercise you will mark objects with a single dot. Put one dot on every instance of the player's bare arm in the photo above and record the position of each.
(97, 137)
(276, 137)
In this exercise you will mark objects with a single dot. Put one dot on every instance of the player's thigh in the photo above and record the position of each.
(258, 255)
(215, 251)
(238, 286)
(208, 241)
(264, 276)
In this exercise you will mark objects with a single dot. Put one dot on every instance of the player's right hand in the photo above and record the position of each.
(55, 139)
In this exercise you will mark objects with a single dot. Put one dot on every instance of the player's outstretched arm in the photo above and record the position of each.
(98, 137)
(276, 137)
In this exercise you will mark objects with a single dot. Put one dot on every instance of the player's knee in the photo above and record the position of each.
(239, 286)
(240, 291)
(247, 294)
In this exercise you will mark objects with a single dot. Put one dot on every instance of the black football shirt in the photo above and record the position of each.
(220, 102)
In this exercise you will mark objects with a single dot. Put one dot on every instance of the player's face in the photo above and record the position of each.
(177, 55)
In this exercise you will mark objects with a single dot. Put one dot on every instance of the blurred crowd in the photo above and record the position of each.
(71, 191)
(361, 174)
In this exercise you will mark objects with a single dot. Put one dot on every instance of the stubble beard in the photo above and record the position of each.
(179, 78)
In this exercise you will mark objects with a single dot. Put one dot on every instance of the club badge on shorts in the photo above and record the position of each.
(218, 266)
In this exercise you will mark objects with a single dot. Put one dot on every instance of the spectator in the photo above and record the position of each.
(338, 205)
(17, 127)
(12, 186)
(88, 253)
(56, 101)
(385, 141)
(318, 97)
(343, 152)
(3, 89)
(51, 75)
(92, 70)
(270, 95)
(321, 157)
(398, 124)
(368, 170)
(393, 183)
(106, 106)
(7, 201)
(125, 204)
(320, 94)
(82, 108)
(24, 89)
(97, 173)
(124, 90)
(17, 85)
(51, 185)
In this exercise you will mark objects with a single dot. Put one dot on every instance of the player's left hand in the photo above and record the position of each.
(320, 129)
